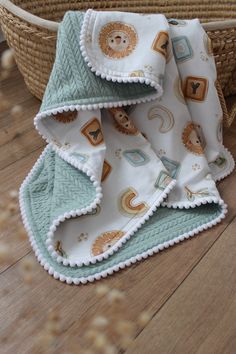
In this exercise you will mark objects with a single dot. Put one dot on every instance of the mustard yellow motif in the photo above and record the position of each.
(165, 117)
(105, 170)
(127, 206)
(59, 249)
(65, 117)
(117, 40)
(105, 241)
(92, 131)
(161, 43)
(123, 122)
(192, 140)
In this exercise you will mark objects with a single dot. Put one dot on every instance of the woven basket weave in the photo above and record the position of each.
(30, 28)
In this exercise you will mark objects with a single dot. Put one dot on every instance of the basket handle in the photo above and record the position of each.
(53, 26)
(229, 113)
(28, 17)
(232, 115)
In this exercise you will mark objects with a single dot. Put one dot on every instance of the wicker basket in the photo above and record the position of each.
(30, 28)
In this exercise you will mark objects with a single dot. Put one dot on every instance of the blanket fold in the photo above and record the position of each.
(134, 126)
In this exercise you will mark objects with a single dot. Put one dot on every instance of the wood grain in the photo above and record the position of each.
(200, 317)
(18, 137)
(177, 286)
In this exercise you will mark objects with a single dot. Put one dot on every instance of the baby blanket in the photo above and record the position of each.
(134, 130)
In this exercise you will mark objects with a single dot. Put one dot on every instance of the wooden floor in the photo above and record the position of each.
(190, 289)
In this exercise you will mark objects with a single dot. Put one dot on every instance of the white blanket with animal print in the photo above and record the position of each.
(166, 149)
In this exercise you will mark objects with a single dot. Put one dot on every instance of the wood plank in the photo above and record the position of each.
(13, 175)
(18, 136)
(200, 316)
(11, 128)
(9, 180)
(19, 148)
(157, 278)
